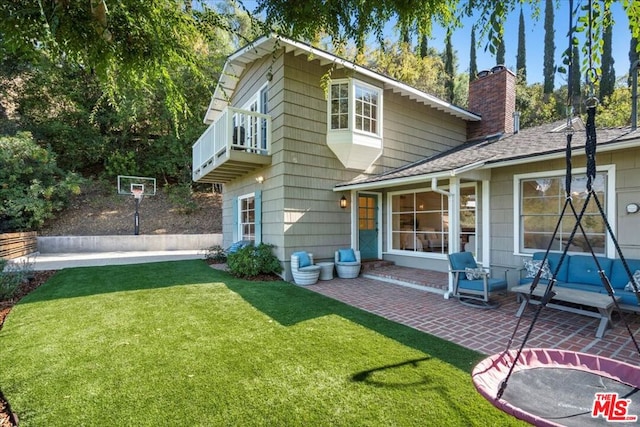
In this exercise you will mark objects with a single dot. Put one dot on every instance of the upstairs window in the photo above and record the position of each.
(366, 111)
(340, 106)
(354, 105)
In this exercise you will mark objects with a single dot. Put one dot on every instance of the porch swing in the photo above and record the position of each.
(549, 387)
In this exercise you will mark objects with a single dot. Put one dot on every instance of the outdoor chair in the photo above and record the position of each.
(303, 270)
(236, 246)
(471, 283)
(347, 263)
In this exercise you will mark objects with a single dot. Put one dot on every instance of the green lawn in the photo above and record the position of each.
(178, 343)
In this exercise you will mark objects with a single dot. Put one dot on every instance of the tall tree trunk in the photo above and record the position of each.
(549, 68)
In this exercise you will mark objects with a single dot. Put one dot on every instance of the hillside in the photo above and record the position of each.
(99, 211)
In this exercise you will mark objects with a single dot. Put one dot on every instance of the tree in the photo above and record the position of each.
(132, 47)
(136, 46)
(396, 60)
(633, 57)
(615, 111)
(473, 65)
(549, 48)
(501, 52)
(608, 73)
(449, 68)
(521, 56)
(575, 80)
(424, 46)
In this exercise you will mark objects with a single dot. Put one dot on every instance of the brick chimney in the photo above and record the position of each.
(493, 96)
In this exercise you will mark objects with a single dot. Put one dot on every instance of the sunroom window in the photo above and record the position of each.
(540, 200)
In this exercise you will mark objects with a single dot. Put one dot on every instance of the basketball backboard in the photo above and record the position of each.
(133, 185)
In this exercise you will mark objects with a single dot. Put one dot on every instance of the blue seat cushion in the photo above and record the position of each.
(303, 259)
(236, 246)
(554, 259)
(478, 285)
(528, 281)
(619, 277)
(581, 286)
(626, 297)
(346, 255)
(462, 260)
(583, 269)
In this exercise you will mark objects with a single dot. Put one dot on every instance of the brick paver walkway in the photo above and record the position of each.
(486, 331)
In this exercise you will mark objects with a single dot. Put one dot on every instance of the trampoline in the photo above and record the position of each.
(565, 384)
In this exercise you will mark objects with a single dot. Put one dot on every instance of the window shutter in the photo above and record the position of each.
(234, 233)
(258, 214)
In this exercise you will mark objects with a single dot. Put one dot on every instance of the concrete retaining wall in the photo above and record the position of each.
(161, 242)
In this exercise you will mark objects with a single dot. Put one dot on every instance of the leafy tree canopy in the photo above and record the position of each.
(135, 47)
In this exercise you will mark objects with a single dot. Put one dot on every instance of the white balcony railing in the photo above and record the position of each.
(235, 130)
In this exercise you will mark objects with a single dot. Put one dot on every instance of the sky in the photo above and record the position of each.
(534, 40)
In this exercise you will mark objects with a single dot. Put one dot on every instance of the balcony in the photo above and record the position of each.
(234, 145)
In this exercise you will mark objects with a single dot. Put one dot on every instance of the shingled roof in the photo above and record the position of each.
(529, 145)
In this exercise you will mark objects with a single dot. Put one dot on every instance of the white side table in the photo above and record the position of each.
(326, 270)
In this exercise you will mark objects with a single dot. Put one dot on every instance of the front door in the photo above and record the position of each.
(368, 226)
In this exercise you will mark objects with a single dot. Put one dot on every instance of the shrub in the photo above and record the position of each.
(252, 261)
(216, 254)
(32, 186)
(12, 274)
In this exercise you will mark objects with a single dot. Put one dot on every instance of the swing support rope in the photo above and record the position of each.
(590, 151)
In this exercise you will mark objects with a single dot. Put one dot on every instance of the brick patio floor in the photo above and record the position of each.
(414, 298)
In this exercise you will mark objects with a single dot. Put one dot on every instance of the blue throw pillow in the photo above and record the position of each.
(303, 259)
(346, 255)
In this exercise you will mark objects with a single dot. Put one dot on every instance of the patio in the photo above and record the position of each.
(414, 297)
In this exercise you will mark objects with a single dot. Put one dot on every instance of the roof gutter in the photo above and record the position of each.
(414, 179)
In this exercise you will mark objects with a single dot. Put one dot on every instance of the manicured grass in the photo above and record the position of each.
(178, 343)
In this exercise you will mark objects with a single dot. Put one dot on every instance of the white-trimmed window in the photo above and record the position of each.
(419, 222)
(355, 105)
(247, 217)
(538, 202)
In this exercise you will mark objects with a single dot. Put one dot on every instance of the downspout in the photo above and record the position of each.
(434, 187)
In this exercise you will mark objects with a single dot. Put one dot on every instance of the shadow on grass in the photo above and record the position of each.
(85, 281)
(289, 304)
(368, 375)
(284, 302)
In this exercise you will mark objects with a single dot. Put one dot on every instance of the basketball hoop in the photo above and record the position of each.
(137, 190)
(137, 193)
(138, 187)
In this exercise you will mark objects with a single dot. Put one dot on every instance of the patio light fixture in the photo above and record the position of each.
(343, 202)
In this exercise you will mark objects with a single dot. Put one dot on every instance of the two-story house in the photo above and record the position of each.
(317, 153)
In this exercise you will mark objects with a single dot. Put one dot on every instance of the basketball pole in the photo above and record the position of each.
(136, 219)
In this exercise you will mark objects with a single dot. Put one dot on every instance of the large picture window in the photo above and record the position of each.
(539, 204)
(354, 105)
(420, 222)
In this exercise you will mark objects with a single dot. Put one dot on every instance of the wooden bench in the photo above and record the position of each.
(602, 302)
